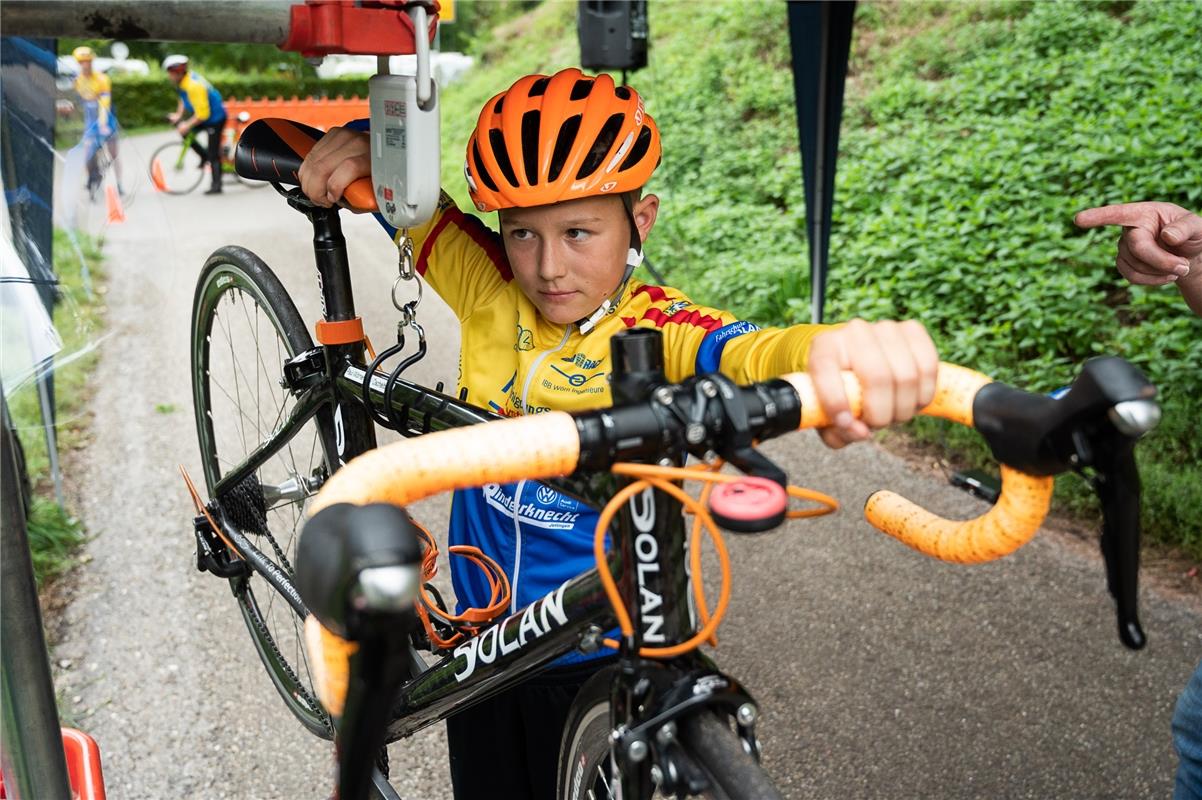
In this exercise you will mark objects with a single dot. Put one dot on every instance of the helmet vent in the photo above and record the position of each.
(500, 102)
(622, 92)
(581, 89)
(638, 151)
(563, 145)
(530, 146)
(497, 140)
(480, 170)
(601, 147)
(540, 87)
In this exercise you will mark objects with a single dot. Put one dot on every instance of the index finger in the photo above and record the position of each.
(1118, 214)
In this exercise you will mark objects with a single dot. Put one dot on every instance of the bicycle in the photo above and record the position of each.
(174, 172)
(103, 163)
(665, 720)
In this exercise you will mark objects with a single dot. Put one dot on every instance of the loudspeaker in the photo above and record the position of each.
(613, 34)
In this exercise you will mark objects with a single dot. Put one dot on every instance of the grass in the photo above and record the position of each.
(54, 533)
(972, 131)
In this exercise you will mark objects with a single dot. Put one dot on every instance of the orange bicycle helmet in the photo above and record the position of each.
(559, 137)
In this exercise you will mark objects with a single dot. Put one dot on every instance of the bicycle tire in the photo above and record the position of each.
(239, 307)
(177, 173)
(586, 769)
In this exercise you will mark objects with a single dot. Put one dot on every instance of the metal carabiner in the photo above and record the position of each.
(405, 256)
(421, 46)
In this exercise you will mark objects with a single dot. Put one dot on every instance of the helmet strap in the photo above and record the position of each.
(634, 257)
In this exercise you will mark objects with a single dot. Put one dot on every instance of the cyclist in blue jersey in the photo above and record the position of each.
(199, 107)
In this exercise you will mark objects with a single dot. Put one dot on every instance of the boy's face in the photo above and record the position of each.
(569, 257)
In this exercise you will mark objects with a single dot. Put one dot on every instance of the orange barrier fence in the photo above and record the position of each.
(320, 112)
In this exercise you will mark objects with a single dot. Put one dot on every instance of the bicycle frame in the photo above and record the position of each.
(648, 553)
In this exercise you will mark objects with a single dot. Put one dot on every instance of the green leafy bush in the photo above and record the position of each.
(972, 133)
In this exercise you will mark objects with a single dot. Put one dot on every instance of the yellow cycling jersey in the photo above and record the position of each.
(513, 361)
(96, 91)
(201, 99)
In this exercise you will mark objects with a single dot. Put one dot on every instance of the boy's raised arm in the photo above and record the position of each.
(338, 159)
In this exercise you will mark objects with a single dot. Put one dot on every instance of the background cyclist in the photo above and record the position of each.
(95, 91)
(200, 107)
(563, 159)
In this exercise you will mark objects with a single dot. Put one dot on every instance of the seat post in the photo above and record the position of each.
(333, 268)
(357, 434)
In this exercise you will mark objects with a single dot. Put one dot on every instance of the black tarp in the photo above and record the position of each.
(820, 38)
(27, 72)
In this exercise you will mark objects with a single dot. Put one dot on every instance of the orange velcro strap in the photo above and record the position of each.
(344, 332)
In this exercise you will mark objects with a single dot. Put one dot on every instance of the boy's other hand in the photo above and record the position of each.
(895, 362)
(338, 159)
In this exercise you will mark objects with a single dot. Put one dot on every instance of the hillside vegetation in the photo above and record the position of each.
(972, 133)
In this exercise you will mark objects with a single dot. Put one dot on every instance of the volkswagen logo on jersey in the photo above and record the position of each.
(543, 513)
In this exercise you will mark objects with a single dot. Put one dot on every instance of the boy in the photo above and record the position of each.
(563, 159)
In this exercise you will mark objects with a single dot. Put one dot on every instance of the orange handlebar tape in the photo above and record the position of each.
(998, 532)
(329, 664)
(542, 446)
(955, 388)
(343, 332)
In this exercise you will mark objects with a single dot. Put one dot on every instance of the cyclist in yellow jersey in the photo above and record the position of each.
(95, 90)
(200, 107)
(563, 159)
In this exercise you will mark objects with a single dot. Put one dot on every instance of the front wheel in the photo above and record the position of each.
(176, 169)
(587, 769)
(244, 327)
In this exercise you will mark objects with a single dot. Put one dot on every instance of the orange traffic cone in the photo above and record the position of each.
(156, 175)
(113, 200)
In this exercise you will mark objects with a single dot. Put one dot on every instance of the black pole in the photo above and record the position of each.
(30, 739)
(820, 39)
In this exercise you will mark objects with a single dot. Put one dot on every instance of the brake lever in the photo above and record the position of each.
(1117, 486)
(1111, 453)
(1092, 429)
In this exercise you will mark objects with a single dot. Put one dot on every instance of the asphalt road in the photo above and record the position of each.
(881, 673)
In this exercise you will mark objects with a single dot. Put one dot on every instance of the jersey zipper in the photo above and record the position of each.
(517, 497)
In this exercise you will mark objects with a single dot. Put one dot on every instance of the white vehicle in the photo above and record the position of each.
(447, 67)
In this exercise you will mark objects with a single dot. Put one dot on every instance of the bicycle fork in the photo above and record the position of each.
(649, 698)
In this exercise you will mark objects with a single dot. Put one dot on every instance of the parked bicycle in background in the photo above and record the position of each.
(175, 167)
